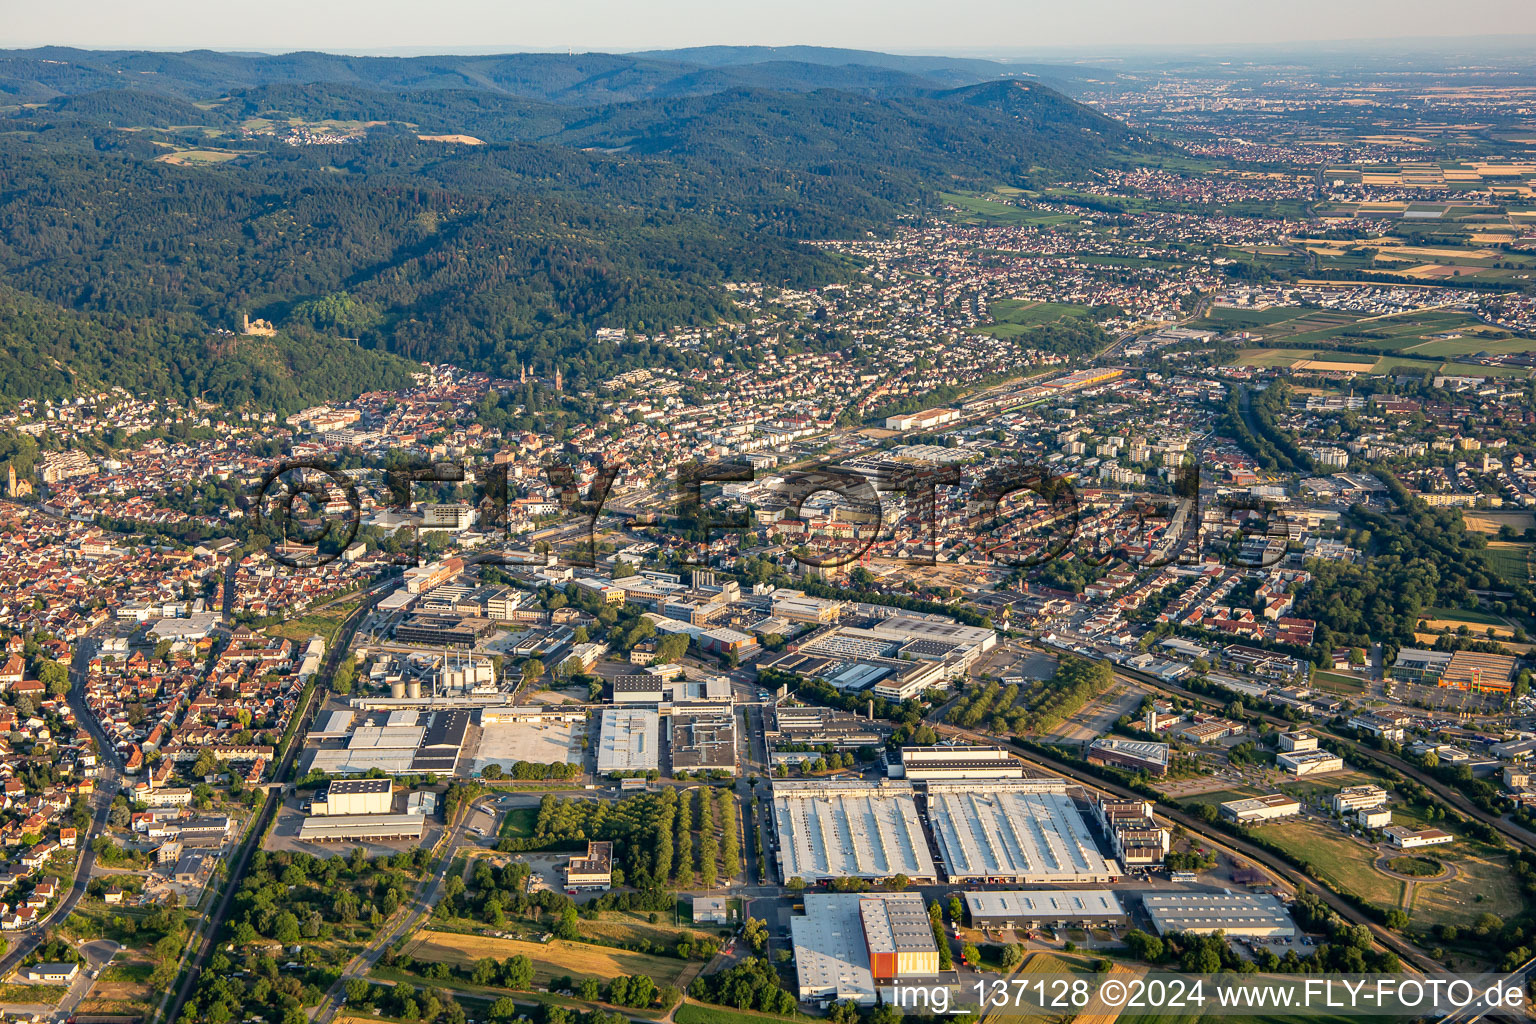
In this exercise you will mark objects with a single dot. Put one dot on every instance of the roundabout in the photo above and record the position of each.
(1409, 867)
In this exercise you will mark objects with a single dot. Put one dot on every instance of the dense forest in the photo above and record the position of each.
(1419, 559)
(570, 218)
(41, 74)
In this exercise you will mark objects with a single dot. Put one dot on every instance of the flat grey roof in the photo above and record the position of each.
(1048, 904)
(362, 826)
(1239, 913)
(1016, 831)
(852, 829)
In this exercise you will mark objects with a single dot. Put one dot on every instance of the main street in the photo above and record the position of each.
(426, 897)
(280, 775)
(107, 782)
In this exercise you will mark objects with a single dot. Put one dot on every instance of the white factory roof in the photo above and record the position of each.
(628, 741)
(1045, 904)
(1236, 913)
(831, 958)
(1018, 831)
(385, 737)
(849, 829)
(331, 724)
(394, 760)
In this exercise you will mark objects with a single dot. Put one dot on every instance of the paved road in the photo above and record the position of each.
(1455, 797)
(280, 775)
(1411, 955)
(107, 782)
(428, 892)
(98, 955)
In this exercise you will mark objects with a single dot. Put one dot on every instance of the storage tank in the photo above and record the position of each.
(413, 689)
(397, 690)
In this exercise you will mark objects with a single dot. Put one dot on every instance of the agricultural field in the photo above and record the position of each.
(705, 1013)
(1511, 559)
(1424, 340)
(1489, 522)
(1017, 316)
(976, 208)
(1325, 360)
(183, 157)
(1475, 621)
(553, 959)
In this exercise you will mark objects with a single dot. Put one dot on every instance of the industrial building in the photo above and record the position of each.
(439, 749)
(362, 828)
(1410, 839)
(849, 829)
(704, 741)
(922, 764)
(640, 688)
(1028, 832)
(1136, 755)
(817, 726)
(628, 741)
(396, 743)
(1309, 762)
(1378, 817)
(1134, 836)
(1479, 672)
(899, 936)
(355, 796)
(1358, 798)
(847, 944)
(1045, 908)
(895, 657)
(593, 871)
(1238, 914)
(1271, 807)
(440, 631)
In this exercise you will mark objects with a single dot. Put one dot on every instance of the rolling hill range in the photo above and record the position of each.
(169, 192)
(41, 74)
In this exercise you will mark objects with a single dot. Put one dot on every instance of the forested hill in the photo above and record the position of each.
(38, 75)
(191, 189)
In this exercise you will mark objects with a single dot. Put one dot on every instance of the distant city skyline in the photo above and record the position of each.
(997, 28)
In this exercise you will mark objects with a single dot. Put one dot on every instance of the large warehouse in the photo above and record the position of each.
(1037, 908)
(1028, 832)
(355, 796)
(848, 943)
(922, 764)
(628, 741)
(362, 828)
(704, 741)
(849, 829)
(441, 742)
(397, 743)
(1246, 914)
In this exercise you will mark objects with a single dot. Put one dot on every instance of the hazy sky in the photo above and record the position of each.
(992, 27)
